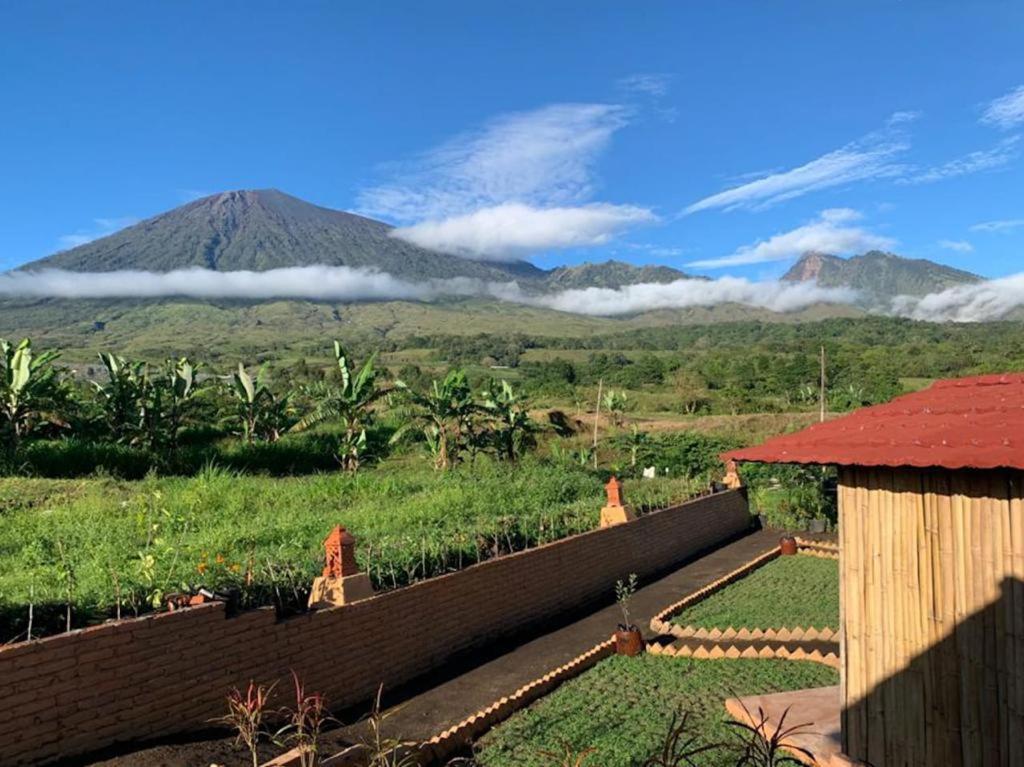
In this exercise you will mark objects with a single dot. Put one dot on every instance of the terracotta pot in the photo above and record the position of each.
(629, 642)
(787, 545)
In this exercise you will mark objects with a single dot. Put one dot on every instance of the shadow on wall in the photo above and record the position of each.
(959, 703)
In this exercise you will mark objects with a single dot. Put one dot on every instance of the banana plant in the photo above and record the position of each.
(446, 415)
(514, 432)
(261, 414)
(348, 401)
(122, 396)
(614, 403)
(31, 388)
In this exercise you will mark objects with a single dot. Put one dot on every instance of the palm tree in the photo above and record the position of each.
(30, 389)
(445, 414)
(514, 430)
(350, 404)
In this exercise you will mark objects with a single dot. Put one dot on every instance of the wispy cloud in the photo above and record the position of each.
(1003, 153)
(868, 158)
(999, 225)
(101, 228)
(648, 84)
(960, 246)
(341, 283)
(831, 232)
(904, 117)
(1007, 110)
(519, 185)
(545, 157)
(513, 230)
(978, 302)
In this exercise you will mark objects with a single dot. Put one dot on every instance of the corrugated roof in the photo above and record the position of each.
(956, 424)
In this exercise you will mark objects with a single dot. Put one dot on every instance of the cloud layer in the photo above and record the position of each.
(831, 233)
(339, 283)
(513, 230)
(990, 300)
(1002, 154)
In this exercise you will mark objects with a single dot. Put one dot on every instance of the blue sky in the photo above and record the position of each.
(676, 133)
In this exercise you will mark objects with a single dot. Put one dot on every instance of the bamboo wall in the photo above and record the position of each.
(932, 587)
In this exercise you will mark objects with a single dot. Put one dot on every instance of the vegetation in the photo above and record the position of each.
(622, 708)
(96, 548)
(788, 592)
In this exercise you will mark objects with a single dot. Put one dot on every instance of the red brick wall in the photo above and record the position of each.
(168, 673)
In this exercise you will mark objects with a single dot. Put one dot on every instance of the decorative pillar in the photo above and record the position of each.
(732, 478)
(615, 512)
(341, 582)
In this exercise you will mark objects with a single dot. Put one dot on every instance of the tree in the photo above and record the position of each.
(31, 390)
(445, 414)
(261, 414)
(514, 432)
(350, 404)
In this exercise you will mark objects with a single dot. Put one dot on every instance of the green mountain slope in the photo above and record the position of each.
(609, 274)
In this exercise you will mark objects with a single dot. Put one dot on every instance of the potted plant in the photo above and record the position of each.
(628, 639)
(787, 545)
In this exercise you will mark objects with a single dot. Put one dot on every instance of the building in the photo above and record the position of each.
(931, 532)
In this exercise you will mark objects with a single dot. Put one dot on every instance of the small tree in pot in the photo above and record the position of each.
(628, 639)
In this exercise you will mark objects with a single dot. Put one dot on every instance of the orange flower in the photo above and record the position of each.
(235, 567)
(220, 559)
(201, 567)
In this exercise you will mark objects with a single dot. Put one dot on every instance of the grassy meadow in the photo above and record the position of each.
(102, 545)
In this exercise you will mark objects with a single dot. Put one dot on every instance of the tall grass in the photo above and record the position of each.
(104, 545)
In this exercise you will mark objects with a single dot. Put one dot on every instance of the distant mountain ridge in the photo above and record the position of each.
(267, 229)
(879, 276)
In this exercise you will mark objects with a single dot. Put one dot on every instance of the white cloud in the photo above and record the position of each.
(829, 233)
(513, 230)
(311, 282)
(869, 158)
(1006, 111)
(101, 228)
(960, 246)
(999, 225)
(630, 299)
(649, 84)
(1003, 153)
(339, 283)
(543, 158)
(990, 300)
(906, 116)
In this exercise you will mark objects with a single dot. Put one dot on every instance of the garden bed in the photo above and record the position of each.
(785, 593)
(623, 707)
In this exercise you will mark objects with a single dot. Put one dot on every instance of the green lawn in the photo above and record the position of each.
(86, 541)
(623, 707)
(788, 592)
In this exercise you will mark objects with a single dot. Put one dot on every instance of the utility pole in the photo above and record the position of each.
(821, 393)
(597, 415)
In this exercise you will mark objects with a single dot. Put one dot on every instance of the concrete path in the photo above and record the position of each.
(453, 694)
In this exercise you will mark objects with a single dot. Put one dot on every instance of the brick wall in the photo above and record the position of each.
(167, 673)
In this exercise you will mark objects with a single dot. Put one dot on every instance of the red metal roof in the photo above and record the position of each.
(956, 424)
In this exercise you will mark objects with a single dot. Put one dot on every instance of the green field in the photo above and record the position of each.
(788, 592)
(93, 543)
(622, 709)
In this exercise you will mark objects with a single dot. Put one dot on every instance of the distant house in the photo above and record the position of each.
(931, 531)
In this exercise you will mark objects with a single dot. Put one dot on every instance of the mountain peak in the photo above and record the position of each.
(878, 275)
(260, 229)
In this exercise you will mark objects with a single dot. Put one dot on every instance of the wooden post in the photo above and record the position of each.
(597, 415)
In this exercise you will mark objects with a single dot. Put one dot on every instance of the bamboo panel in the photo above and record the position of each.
(932, 603)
